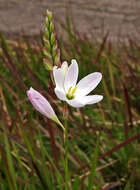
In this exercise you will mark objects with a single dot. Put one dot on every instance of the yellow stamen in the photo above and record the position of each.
(74, 90)
(69, 89)
(70, 94)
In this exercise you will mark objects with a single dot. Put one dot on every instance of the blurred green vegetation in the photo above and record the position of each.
(31, 147)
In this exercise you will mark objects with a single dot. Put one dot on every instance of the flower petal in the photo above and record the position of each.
(82, 101)
(76, 103)
(71, 76)
(88, 83)
(40, 103)
(64, 64)
(58, 77)
(60, 94)
(64, 67)
(92, 99)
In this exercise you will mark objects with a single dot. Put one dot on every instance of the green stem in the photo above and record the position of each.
(55, 118)
(66, 155)
(61, 125)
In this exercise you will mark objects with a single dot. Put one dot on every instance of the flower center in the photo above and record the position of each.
(71, 92)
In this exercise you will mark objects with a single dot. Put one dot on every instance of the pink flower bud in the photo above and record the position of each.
(41, 104)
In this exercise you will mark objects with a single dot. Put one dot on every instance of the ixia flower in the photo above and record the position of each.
(42, 105)
(67, 88)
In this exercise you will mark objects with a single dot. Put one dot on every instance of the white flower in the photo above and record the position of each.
(75, 94)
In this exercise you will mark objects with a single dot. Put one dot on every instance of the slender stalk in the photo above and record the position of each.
(66, 168)
(59, 123)
(66, 154)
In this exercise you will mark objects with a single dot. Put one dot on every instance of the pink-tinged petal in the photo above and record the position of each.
(58, 77)
(60, 94)
(40, 103)
(71, 76)
(76, 103)
(92, 99)
(64, 66)
(88, 83)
